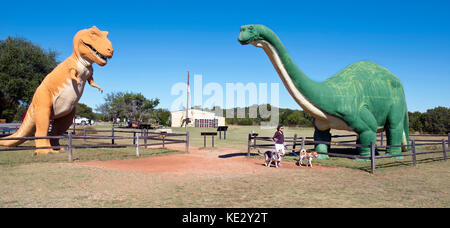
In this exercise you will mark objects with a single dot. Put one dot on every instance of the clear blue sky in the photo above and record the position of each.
(157, 42)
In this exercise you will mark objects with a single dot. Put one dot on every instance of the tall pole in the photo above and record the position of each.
(187, 103)
(187, 115)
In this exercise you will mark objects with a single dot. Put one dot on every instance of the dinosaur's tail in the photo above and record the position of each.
(405, 140)
(27, 129)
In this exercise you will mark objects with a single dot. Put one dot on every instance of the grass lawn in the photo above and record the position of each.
(50, 181)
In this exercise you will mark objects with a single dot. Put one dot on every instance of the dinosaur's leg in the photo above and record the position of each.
(60, 126)
(365, 125)
(395, 128)
(42, 109)
(324, 136)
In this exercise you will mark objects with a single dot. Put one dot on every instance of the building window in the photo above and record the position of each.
(206, 123)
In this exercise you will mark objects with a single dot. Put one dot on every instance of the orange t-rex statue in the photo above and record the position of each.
(57, 96)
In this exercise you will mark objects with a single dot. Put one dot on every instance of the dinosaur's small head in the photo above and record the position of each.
(250, 33)
(93, 46)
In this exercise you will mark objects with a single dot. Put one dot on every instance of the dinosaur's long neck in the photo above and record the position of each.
(302, 89)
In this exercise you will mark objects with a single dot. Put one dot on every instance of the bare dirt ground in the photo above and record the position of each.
(197, 161)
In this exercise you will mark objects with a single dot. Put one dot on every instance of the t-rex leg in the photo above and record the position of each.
(42, 110)
(60, 126)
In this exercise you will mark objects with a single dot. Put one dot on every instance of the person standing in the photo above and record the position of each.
(278, 138)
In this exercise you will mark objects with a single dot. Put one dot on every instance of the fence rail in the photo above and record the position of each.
(302, 142)
(162, 138)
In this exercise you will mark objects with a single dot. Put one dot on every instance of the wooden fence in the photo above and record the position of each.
(161, 138)
(374, 147)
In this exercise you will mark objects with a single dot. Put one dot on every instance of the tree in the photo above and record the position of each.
(113, 106)
(132, 106)
(138, 107)
(437, 120)
(23, 66)
(162, 116)
(416, 120)
(85, 111)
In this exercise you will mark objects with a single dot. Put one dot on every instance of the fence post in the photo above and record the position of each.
(249, 144)
(187, 141)
(303, 142)
(69, 149)
(295, 141)
(372, 158)
(204, 141)
(448, 140)
(212, 137)
(382, 135)
(145, 137)
(134, 138)
(164, 140)
(444, 149)
(84, 132)
(138, 154)
(112, 134)
(413, 150)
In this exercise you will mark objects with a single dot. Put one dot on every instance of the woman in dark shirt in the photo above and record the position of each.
(278, 138)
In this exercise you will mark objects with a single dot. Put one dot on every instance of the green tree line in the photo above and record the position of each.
(434, 121)
(252, 116)
(133, 107)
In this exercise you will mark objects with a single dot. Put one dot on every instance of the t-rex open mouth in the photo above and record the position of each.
(104, 58)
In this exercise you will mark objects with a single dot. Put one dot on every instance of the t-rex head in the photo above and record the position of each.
(251, 33)
(93, 46)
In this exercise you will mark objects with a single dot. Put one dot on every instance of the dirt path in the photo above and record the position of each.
(198, 161)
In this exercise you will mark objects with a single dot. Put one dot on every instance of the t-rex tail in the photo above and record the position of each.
(27, 129)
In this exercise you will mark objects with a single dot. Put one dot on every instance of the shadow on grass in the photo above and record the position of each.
(380, 163)
(399, 163)
(237, 155)
(364, 165)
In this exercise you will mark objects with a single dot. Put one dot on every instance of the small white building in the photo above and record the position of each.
(198, 118)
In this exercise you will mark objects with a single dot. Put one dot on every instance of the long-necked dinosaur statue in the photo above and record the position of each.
(364, 97)
(58, 94)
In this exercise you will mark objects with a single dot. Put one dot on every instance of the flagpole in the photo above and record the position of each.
(187, 115)
(187, 103)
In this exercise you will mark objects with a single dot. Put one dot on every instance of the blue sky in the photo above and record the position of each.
(157, 42)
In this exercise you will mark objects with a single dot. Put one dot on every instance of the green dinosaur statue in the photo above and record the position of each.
(364, 97)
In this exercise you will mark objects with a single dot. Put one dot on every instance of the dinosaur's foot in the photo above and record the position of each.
(45, 151)
(321, 149)
(364, 151)
(395, 151)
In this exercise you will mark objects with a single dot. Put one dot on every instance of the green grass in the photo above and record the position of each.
(68, 185)
(50, 181)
